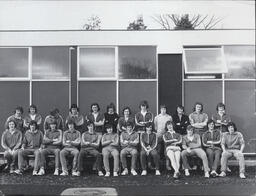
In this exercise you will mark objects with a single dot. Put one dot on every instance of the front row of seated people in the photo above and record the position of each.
(213, 149)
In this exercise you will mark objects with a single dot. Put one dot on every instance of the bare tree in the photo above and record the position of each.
(93, 23)
(184, 22)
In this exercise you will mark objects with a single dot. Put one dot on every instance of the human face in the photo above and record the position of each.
(231, 129)
(74, 111)
(110, 110)
(149, 129)
(211, 126)
(18, 113)
(71, 126)
(198, 108)
(129, 128)
(190, 132)
(95, 108)
(53, 126)
(126, 112)
(110, 130)
(221, 111)
(169, 127)
(32, 127)
(179, 111)
(163, 110)
(32, 110)
(143, 108)
(90, 128)
(11, 125)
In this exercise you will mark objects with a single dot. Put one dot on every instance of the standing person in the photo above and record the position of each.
(180, 120)
(172, 141)
(160, 122)
(17, 118)
(148, 149)
(76, 117)
(129, 140)
(211, 141)
(111, 117)
(232, 144)
(54, 116)
(71, 142)
(123, 120)
(52, 143)
(32, 144)
(221, 119)
(90, 143)
(191, 144)
(198, 119)
(32, 115)
(97, 118)
(11, 141)
(143, 117)
(110, 143)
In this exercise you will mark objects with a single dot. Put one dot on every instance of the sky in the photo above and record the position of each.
(60, 15)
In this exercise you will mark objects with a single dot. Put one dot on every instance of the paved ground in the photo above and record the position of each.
(196, 184)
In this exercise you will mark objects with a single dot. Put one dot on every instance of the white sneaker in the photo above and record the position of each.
(107, 174)
(158, 173)
(115, 174)
(56, 172)
(206, 175)
(76, 173)
(214, 173)
(242, 176)
(133, 172)
(34, 173)
(125, 172)
(222, 174)
(187, 172)
(64, 173)
(144, 173)
(100, 173)
(41, 172)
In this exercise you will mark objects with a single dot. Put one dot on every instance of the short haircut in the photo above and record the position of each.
(15, 124)
(53, 122)
(233, 125)
(150, 124)
(90, 123)
(190, 128)
(210, 121)
(181, 107)
(111, 105)
(33, 122)
(19, 108)
(95, 104)
(144, 103)
(70, 121)
(163, 106)
(107, 126)
(131, 124)
(74, 106)
(54, 111)
(198, 103)
(168, 123)
(220, 105)
(127, 108)
(32, 106)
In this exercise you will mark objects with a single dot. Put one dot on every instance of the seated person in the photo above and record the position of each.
(198, 119)
(52, 143)
(90, 143)
(221, 119)
(71, 142)
(148, 149)
(172, 141)
(191, 144)
(32, 115)
(129, 141)
(211, 141)
(110, 142)
(11, 141)
(31, 145)
(232, 144)
(76, 117)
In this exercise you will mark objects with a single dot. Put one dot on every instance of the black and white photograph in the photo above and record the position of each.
(133, 98)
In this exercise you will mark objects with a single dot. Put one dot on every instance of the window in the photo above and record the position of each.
(14, 62)
(204, 61)
(137, 62)
(240, 62)
(50, 63)
(97, 62)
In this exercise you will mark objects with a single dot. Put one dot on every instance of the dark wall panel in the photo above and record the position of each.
(170, 80)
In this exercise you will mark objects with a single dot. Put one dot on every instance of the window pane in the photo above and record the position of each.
(137, 62)
(132, 93)
(204, 61)
(97, 62)
(13, 62)
(50, 63)
(240, 62)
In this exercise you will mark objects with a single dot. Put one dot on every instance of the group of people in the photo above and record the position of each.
(176, 138)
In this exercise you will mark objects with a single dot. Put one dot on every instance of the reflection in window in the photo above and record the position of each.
(13, 62)
(97, 62)
(50, 63)
(206, 60)
(240, 62)
(137, 62)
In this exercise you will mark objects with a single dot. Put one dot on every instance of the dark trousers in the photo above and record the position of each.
(144, 156)
(85, 152)
(45, 152)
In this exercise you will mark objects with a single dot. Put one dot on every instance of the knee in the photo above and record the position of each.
(123, 153)
(57, 151)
